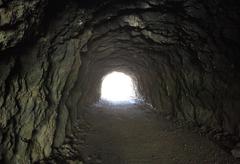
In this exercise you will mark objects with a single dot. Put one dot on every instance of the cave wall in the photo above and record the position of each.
(36, 77)
(184, 56)
(19, 20)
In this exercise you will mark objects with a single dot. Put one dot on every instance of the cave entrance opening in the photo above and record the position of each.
(118, 88)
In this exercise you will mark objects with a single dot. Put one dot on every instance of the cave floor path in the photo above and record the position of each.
(136, 135)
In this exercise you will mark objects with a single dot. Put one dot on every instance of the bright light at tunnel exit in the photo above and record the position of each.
(117, 87)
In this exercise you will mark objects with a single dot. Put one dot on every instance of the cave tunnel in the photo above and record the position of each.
(119, 82)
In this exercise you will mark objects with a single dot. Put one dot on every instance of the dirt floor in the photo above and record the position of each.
(134, 134)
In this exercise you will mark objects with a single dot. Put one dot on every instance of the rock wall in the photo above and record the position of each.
(19, 20)
(36, 77)
(182, 54)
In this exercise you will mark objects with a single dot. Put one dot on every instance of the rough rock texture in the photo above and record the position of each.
(35, 80)
(182, 54)
(19, 20)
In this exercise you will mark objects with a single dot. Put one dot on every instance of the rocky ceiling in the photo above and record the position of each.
(182, 54)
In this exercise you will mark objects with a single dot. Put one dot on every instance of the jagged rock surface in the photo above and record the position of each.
(35, 80)
(19, 20)
(183, 55)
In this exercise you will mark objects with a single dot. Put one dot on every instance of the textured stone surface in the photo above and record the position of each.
(182, 54)
(33, 87)
(19, 20)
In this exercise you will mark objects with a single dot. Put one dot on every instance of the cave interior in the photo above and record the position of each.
(116, 81)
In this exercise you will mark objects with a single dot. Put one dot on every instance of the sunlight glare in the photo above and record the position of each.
(117, 87)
